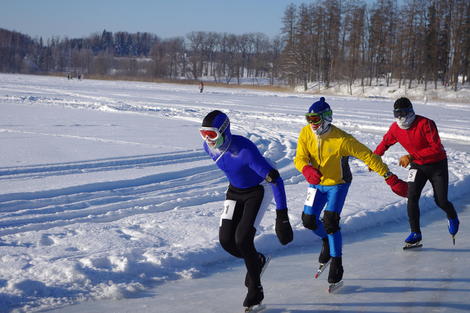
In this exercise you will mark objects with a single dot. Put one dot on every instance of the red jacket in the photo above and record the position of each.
(421, 140)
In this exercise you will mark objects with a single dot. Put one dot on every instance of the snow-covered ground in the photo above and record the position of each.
(106, 193)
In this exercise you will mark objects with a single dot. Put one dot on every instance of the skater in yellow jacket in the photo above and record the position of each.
(322, 157)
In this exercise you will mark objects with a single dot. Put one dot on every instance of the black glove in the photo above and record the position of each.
(283, 229)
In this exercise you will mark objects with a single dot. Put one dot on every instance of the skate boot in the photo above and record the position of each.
(336, 270)
(453, 226)
(254, 296)
(264, 261)
(325, 252)
(413, 240)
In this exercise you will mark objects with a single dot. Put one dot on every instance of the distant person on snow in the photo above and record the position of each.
(322, 157)
(201, 86)
(247, 198)
(428, 161)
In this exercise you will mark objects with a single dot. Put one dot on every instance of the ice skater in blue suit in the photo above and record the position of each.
(247, 197)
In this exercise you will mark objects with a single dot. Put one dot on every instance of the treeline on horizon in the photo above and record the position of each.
(326, 41)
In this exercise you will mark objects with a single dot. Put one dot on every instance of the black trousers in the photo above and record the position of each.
(438, 174)
(237, 231)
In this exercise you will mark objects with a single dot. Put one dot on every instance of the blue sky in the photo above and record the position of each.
(165, 18)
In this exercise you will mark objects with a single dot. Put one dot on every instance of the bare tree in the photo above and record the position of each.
(196, 42)
(354, 28)
(431, 47)
(458, 10)
(289, 63)
(331, 32)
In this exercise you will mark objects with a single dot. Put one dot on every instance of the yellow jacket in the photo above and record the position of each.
(329, 153)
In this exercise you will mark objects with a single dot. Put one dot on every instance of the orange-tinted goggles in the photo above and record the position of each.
(209, 133)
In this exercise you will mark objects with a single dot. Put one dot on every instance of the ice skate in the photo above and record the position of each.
(413, 241)
(336, 270)
(335, 275)
(255, 308)
(453, 226)
(254, 297)
(321, 268)
(334, 287)
(324, 257)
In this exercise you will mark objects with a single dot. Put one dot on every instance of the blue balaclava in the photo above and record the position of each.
(323, 109)
(219, 120)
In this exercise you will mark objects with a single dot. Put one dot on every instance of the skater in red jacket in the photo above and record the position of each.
(428, 161)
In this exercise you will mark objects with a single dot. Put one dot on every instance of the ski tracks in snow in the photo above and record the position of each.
(107, 200)
(182, 179)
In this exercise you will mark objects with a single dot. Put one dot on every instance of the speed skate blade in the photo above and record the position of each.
(334, 287)
(412, 246)
(255, 308)
(322, 268)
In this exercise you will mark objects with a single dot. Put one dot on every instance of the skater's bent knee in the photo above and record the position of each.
(309, 221)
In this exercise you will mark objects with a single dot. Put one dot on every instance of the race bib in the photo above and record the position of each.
(229, 208)
(412, 175)
(310, 196)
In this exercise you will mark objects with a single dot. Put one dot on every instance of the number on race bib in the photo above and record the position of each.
(310, 196)
(412, 175)
(229, 208)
